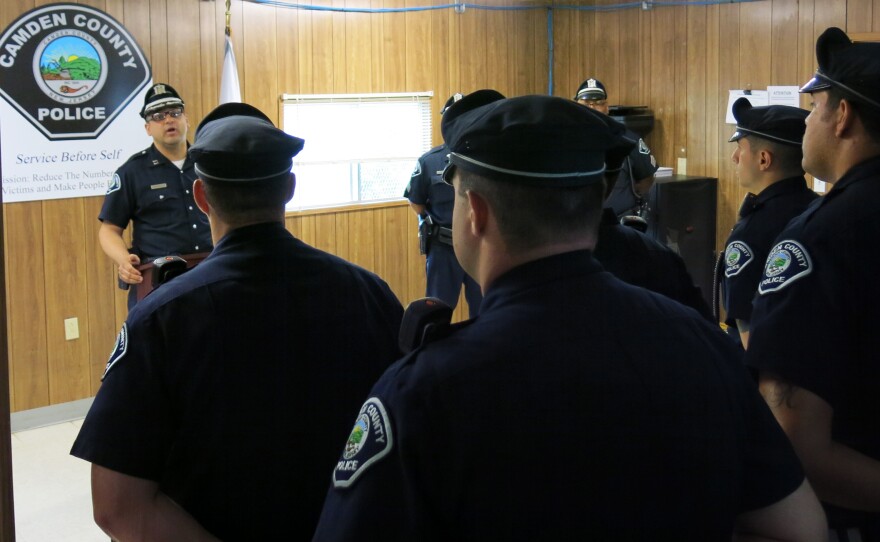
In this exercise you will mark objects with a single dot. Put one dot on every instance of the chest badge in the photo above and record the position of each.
(788, 261)
(737, 256)
(370, 440)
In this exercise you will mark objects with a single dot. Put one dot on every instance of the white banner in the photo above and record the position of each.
(35, 168)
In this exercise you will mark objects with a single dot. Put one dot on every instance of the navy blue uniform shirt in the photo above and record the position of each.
(426, 186)
(815, 319)
(156, 196)
(542, 419)
(761, 219)
(638, 165)
(444, 275)
(638, 259)
(233, 384)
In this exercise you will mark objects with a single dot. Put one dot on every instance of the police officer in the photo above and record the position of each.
(628, 193)
(768, 164)
(636, 258)
(431, 199)
(205, 426)
(540, 419)
(815, 319)
(153, 190)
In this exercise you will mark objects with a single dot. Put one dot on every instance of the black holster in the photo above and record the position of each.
(426, 232)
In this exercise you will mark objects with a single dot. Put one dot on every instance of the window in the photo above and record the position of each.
(359, 147)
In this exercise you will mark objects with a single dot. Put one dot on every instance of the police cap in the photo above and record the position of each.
(160, 96)
(853, 68)
(534, 140)
(237, 142)
(591, 89)
(780, 123)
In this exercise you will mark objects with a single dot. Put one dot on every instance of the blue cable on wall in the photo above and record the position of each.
(461, 7)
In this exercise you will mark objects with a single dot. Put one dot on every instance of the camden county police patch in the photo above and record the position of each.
(119, 350)
(115, 184)
(787, 262)
(370, 440)
(736, 257)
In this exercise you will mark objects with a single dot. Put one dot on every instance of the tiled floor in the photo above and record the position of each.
(51, 488)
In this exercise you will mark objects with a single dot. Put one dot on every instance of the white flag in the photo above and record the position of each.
(230, 90)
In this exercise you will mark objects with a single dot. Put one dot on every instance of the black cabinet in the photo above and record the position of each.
(682, 212)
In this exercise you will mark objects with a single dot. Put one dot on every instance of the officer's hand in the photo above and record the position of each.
(127, 272)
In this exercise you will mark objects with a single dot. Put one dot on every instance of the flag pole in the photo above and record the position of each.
(228, 16)
(230, 88)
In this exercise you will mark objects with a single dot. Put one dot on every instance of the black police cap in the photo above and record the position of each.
(591, 89)
(160, 96)
(534, 140)
(853, 68)
(237, 142)
(780, 123)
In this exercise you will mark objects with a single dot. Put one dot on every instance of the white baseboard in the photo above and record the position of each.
(50, 415)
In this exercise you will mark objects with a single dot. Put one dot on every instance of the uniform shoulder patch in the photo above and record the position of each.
(787, 262)
(115, 184)
(370, 440)
(643, 147)
(737, 256)
(119, 349)
(418, 170)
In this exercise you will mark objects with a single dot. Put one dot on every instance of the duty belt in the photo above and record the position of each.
(444, 235)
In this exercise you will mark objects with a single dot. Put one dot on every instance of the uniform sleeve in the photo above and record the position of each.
(797, 329)
(419, 183)
(642, 162)
(375, 491)
(741, 285)
(118, 201)
(129, 427)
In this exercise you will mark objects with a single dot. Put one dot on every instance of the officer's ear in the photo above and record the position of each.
(290, 189)
(479, 212)
(765, 159)
(200, 196)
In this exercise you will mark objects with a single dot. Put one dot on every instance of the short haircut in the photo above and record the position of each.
(869, 117)
(788, 156)
(530, 216)
(237, 201)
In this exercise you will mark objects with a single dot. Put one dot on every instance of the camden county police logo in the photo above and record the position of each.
(115, 184)
(370, 440)
(69, 69)
(119, 350)
(356, 439)
(788, 261)
(736, 257)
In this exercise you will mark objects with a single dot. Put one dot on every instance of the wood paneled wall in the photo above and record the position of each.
(679, 61)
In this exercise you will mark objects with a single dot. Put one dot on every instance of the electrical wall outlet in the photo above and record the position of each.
(71, 328)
